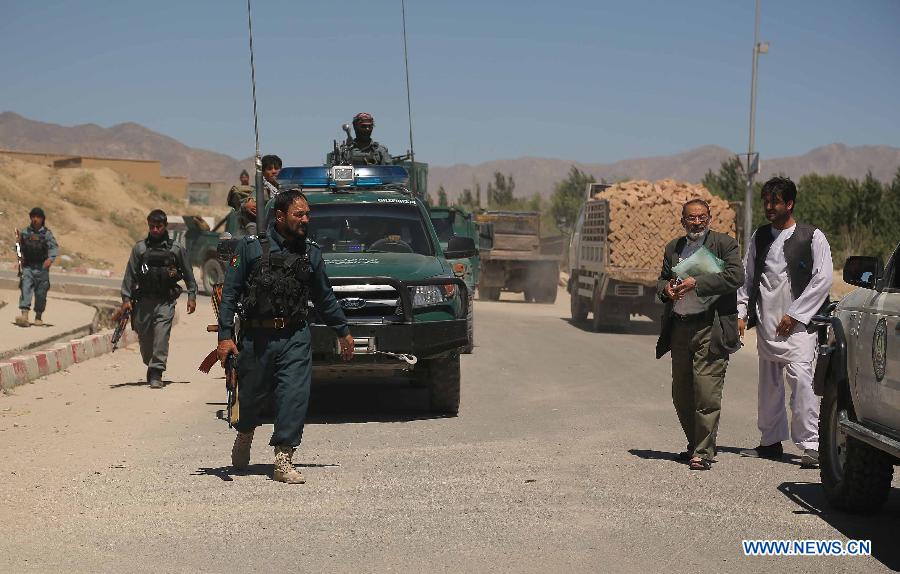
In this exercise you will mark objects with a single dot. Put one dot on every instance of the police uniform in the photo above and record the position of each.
(37, 246)
(273, 283)
(237, 197)
(151, 283)
(372, 153)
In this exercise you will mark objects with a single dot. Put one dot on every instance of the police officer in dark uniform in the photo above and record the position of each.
(39, 250)
(150, 288)
(238, 195)
(363, 150)
(273, 279)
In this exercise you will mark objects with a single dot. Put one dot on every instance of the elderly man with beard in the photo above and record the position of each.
(699, 326)
(274, 278)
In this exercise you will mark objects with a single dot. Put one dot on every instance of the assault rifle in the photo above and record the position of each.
(19, 257)
(231, 386)
(122, 317)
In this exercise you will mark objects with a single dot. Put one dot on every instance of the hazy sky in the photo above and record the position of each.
(591, 81)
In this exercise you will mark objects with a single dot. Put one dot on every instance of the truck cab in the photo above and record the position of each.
(452, 222)
(406, 309)
(201, 241)
(858, 376)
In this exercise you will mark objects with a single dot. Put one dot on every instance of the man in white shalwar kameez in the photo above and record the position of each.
(788, 276)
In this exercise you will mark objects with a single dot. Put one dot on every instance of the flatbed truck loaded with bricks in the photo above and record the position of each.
(515, 258)
(616, 249)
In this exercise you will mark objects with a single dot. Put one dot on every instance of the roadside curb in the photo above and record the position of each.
(12, 266)
(28, 367)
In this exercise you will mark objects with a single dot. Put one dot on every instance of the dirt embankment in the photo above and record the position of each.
(96, 214)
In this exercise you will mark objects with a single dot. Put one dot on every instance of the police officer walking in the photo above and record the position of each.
(39, 250)
(363, 150)
(150, 289)
(273, 279)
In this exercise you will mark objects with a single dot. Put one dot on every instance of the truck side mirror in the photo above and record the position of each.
(863, 271)
(460, 248)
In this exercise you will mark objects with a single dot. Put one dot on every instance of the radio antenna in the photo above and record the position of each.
(412, 152)
(260, 204)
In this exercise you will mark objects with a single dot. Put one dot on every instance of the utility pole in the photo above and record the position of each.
(752, 163)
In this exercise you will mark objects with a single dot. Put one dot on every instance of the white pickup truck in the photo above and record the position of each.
(858, 376)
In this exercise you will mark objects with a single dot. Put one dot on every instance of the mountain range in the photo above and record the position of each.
(532, 174)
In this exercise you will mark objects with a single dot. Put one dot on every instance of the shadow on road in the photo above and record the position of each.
(146, 384)
(648, 328)
(368, 400)
(647, 454)
(880, 528)
(361, 400)
(227, 473)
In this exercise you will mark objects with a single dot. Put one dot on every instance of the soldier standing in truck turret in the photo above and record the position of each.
(363, 150)
(39, 250)
(150, 289)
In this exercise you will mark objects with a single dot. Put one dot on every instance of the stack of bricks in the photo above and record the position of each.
(645, 215)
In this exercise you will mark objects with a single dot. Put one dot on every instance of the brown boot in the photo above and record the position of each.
(38, 322)
(240, 452)
(22, 319)
(284, 468)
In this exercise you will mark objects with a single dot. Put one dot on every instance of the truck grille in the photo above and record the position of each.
(368, 303)
(629, 290)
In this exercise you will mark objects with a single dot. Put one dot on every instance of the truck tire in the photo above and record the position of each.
(855, 476)
(547, 294)
(529, 295)
(489, 293)
(578, 306)
(441, 378)
(470, 328)
(213, 273)
(604, 320)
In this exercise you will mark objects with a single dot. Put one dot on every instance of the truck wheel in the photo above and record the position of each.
(441, 377)
(547, 294)
(604, 319)
(470, 328)
(529, 295)
(213, 273)
(489, 293)
(578, 305)
(855, 476)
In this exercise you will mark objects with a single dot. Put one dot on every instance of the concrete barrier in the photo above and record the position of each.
(28, 367)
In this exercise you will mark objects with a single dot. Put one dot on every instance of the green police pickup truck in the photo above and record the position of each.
(452, 222)
(201, 243)
(406, 309)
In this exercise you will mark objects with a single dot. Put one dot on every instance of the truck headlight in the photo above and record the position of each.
(427, 295)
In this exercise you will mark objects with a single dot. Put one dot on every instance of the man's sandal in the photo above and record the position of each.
(700, 464)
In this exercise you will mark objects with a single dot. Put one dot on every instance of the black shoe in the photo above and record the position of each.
(154, 377)
(771, 452)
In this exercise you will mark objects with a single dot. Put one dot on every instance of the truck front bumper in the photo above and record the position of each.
(405, 335)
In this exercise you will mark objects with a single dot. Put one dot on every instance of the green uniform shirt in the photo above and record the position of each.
(249, 250)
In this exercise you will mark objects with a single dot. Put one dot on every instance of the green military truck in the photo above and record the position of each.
(452, 222)
(406, 309)
(201, 242)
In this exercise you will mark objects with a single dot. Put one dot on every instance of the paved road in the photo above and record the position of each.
(558, 461)
(57, 277)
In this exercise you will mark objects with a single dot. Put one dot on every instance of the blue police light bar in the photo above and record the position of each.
(319, 176)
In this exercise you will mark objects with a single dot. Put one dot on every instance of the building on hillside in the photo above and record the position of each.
(207, 193)
(141, 171)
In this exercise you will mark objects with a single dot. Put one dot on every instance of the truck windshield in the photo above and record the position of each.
(443, 227)
(369, 228)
